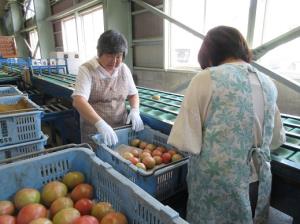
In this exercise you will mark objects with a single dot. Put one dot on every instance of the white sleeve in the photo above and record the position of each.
(186, 133)
(278, 137)
(83, 83)
(132, 90)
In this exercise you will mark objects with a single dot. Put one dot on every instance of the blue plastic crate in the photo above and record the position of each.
(161, 183)
(23, 148)
(8, 90)
(19, 125)
(109, 185)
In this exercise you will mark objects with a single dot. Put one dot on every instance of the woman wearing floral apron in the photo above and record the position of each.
(228, 122)
(102, 86)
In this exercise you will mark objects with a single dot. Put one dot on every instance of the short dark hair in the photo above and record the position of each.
(220, 43)
(112, 42)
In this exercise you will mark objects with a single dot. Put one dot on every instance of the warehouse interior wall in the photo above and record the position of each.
(288, 100)
(3, 30)
(117, 16)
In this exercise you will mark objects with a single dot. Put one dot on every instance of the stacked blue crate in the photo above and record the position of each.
(20, 124)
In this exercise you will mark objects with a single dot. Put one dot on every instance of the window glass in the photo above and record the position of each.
(229, 13)
(202, 15)
(275, 18)
(284, 60)
(92, 26)
(184, 46)
(33, 39)
(81, 32)
(69, 35)
(29, 9)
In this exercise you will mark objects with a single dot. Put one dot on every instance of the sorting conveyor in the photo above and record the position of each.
(55, 84)
(11, 70)
(9, 77)
(61, 118)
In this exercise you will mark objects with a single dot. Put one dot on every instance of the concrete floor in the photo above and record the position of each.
(178, 203)
(277, 217)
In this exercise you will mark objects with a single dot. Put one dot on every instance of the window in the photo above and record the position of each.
(69, 35)
(201, 15)
(92, 25)
(29, 9)
(278, 18)
(33, 38)
(81, 32)
(273, 18)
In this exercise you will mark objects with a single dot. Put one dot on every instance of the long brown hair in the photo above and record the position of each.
(220, 43)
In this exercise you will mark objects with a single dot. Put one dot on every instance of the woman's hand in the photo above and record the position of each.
(135, 118)
(109, 135)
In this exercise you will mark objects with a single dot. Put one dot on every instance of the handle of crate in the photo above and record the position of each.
(98, 141)
(123, 127)
(50, 150)
(21, 110)
(161, 170)
(172, 166)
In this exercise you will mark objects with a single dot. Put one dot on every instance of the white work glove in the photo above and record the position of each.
(135, 118)
(109, 135)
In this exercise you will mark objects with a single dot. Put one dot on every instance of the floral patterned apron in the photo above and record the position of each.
(108, 100)
(219, 176)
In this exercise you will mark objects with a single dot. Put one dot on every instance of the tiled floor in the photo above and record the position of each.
(277, 217)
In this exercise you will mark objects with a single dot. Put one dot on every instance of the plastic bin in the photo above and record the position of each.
(160, 183)
(21, 125)
(109, 185)
(9, 90)
(23, 148)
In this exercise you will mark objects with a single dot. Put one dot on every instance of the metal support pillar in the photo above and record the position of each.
(44, 27)
(17, 22)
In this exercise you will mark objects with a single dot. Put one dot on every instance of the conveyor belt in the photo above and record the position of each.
(55, 111)
(55, 79)
(56, 85)
(64, 78)
(62, 119)
(9, 76)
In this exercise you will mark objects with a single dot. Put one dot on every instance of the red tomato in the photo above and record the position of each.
(30, 212)
(7, 219)
(86, 219)
(6, 208)
(84, 206)
(166, 157)
(172, 152)
(114, 218)
(82, 191)
(134, 160)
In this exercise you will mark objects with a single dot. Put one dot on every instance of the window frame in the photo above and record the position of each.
(78, 17)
